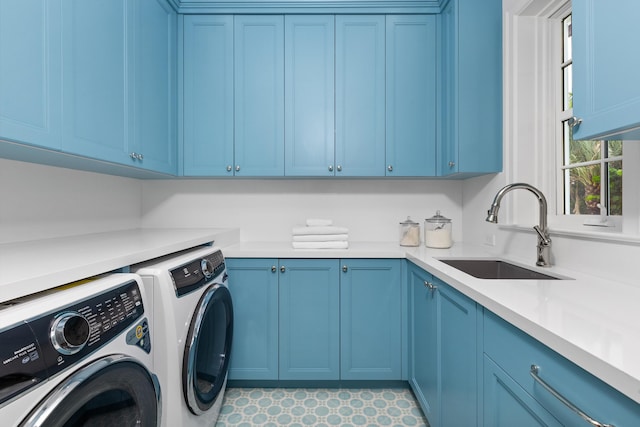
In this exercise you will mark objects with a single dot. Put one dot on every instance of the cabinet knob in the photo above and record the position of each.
(339, 168)
(345, 268)
(430, 286)
(390, 168)
(136, 156)
(229, 168)
(140, 157)
(282, 269)
(237, 168)
(273, 269)
(574, 122)
(330, 168)
(452, 164)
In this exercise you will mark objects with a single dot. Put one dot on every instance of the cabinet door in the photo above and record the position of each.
(207, 101)
(153, 83)
(411, 95)
(95, 87)
(471, 83)
(457, 340)
(309, 95)
(506, 404)
(309, 319)
(371, 320)
(360, 92)
(606, 93)
(253, 284)
(259, 95)
(424, 348)
(30, 72)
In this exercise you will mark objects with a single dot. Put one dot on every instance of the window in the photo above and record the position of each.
(591, 171)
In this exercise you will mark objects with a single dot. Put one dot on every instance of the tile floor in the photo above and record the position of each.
(276, 407)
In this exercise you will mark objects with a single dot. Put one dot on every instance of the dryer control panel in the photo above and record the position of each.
(197, 273)
(36, 349)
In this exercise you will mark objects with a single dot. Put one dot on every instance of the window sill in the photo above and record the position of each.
(612, 235)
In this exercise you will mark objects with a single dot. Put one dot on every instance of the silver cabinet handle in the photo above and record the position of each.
(229, 168)
(273, 269)
(237, 168)
(282, 269)
(345, 268)
(330, 168)
(339, 168)
(430, 286)
(574, 122)
(452, 164)
(535, 369)
(136, 156)
(390, 168)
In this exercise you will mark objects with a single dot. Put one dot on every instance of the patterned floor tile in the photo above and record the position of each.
(277, 407)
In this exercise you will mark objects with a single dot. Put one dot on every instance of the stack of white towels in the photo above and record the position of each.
(320, 234)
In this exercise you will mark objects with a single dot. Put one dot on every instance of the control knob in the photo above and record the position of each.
(207, 268)
(69, 332)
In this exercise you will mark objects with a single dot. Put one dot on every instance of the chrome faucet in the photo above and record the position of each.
(544, 241)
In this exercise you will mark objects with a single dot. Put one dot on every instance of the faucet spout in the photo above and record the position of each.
(544, 241)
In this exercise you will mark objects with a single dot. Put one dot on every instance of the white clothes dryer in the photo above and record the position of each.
(193, 315)
(79, 355)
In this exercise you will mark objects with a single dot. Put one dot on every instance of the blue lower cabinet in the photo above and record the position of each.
(309, 319)
(507, 404)
(458, 347)
(370, 319)
(254, 289)
(513, 353)
(423, 348)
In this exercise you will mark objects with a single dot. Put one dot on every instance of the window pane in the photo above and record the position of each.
(579, 151)
(614, 148)
(567, 85)
(615, 187)
(566, 35)
(584, 190)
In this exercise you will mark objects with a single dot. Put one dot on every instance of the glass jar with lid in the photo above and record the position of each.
(437, 232)
(409, 233)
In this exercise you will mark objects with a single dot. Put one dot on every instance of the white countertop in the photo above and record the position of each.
(34, 266)
(593, 322)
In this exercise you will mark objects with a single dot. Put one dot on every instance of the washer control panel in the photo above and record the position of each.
(36, 349)
(197, 273)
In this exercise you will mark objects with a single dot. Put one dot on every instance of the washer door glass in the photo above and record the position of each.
(112, 391)
(208, 348)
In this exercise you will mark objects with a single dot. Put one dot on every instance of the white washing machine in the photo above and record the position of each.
(193, 316)
(79, 355)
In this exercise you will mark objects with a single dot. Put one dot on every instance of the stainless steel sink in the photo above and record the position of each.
(496, 269)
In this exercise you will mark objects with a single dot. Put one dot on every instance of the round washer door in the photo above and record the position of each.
(207, 350)
(113, 390)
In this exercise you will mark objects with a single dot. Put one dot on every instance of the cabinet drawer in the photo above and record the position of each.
(515, 352)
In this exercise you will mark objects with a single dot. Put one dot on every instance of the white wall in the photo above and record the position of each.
(42, 201)
(266, 210)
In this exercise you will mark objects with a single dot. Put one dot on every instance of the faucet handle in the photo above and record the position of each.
(544, 235)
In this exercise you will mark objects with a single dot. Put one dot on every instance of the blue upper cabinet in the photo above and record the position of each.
(152, 117)
(259, 95)
(606, 88)
(95, 80)
(411, 95)
(30, 72)
(470, 119)
(207, 101)
(309, 95)
(360, 95)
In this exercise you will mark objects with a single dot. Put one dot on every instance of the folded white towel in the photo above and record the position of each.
(322, 238)
(328, 229)
(317, 222)
(320, 245)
